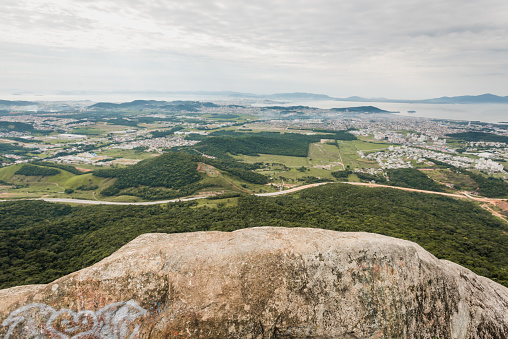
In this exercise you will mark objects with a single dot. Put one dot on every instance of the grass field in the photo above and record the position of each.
(51, 186)
(126, 153)
(278, 159)
(349, 153)
(322, 160)
(325, 155)
(446, 176)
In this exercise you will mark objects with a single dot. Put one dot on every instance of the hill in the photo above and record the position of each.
(299, 96)
(361, 109)
(17, 103)
(153, 104)
(40, 241)
(469, 99)
(464, 99)
(294, 283)
(174, 171)
(170, 175)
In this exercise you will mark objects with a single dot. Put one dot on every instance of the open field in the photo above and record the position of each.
(126, 153)
(270, 158)
(322, 160)
(100, 128)
(349, 153)
(446, 176)
(51, 186)
(325, 155)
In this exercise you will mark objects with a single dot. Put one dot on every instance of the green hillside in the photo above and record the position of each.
(172, 175)
(40, 242)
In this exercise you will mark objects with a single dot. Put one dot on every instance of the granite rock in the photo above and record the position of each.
(262, 282)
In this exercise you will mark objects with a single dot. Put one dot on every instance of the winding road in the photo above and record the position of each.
(463, 195)
(99, 202)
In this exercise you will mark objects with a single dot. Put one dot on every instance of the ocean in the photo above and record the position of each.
(492, 113)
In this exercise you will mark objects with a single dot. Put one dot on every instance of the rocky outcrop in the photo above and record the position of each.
(261, 283)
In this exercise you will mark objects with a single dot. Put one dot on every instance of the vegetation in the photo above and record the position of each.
(40, 241)
(479, 136)
(165, 133)
(490, 187)
(171, 175)
(455, 177)
(342, 174)
(370, 177)
(67, 168)
(170, 170)
(6, 148)
(413, 178)
(88, 187)
(7, 126)
(32, 170)
(238, 169)
(290, 144)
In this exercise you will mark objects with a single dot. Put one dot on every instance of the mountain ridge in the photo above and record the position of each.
(486, 98)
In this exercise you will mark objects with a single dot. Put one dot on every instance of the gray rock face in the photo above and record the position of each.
(261, 283)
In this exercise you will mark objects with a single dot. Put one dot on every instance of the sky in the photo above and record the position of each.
(406, 49)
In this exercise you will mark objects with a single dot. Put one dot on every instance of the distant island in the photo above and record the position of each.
(195, 105)
(360, 109)
(296, 96)
(465, 99)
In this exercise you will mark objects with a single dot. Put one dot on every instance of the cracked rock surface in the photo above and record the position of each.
(264, 282)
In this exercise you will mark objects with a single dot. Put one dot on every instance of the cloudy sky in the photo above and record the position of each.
(391, 48)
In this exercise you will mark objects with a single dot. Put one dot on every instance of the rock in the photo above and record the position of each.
(261, 283)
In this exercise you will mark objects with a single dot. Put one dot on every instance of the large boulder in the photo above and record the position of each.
(261, 283)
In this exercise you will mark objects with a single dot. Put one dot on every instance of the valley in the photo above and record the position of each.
(109, 172)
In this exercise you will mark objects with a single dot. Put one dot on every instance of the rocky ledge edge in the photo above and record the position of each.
(265, 282)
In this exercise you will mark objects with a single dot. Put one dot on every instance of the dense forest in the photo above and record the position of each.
(6, 148)
(413, 178)
(479, 136)
(40, 241)
(169, 170)
(32, 170)
(64, 167)
(489, 187)
(171, 175)
(6, 126)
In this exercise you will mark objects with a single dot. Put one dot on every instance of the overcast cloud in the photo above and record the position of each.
(391, 48)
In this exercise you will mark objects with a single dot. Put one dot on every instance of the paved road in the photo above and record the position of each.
(292, 190)
(408, 189)
(461, 195)
(98, 202)
(299, 188)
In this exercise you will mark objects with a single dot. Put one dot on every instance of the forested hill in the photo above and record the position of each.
(173, 171)
(360, 109)
(178, 105)
(170, 175)
(40, 242)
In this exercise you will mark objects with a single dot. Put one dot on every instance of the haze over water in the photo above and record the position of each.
(492, 113)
